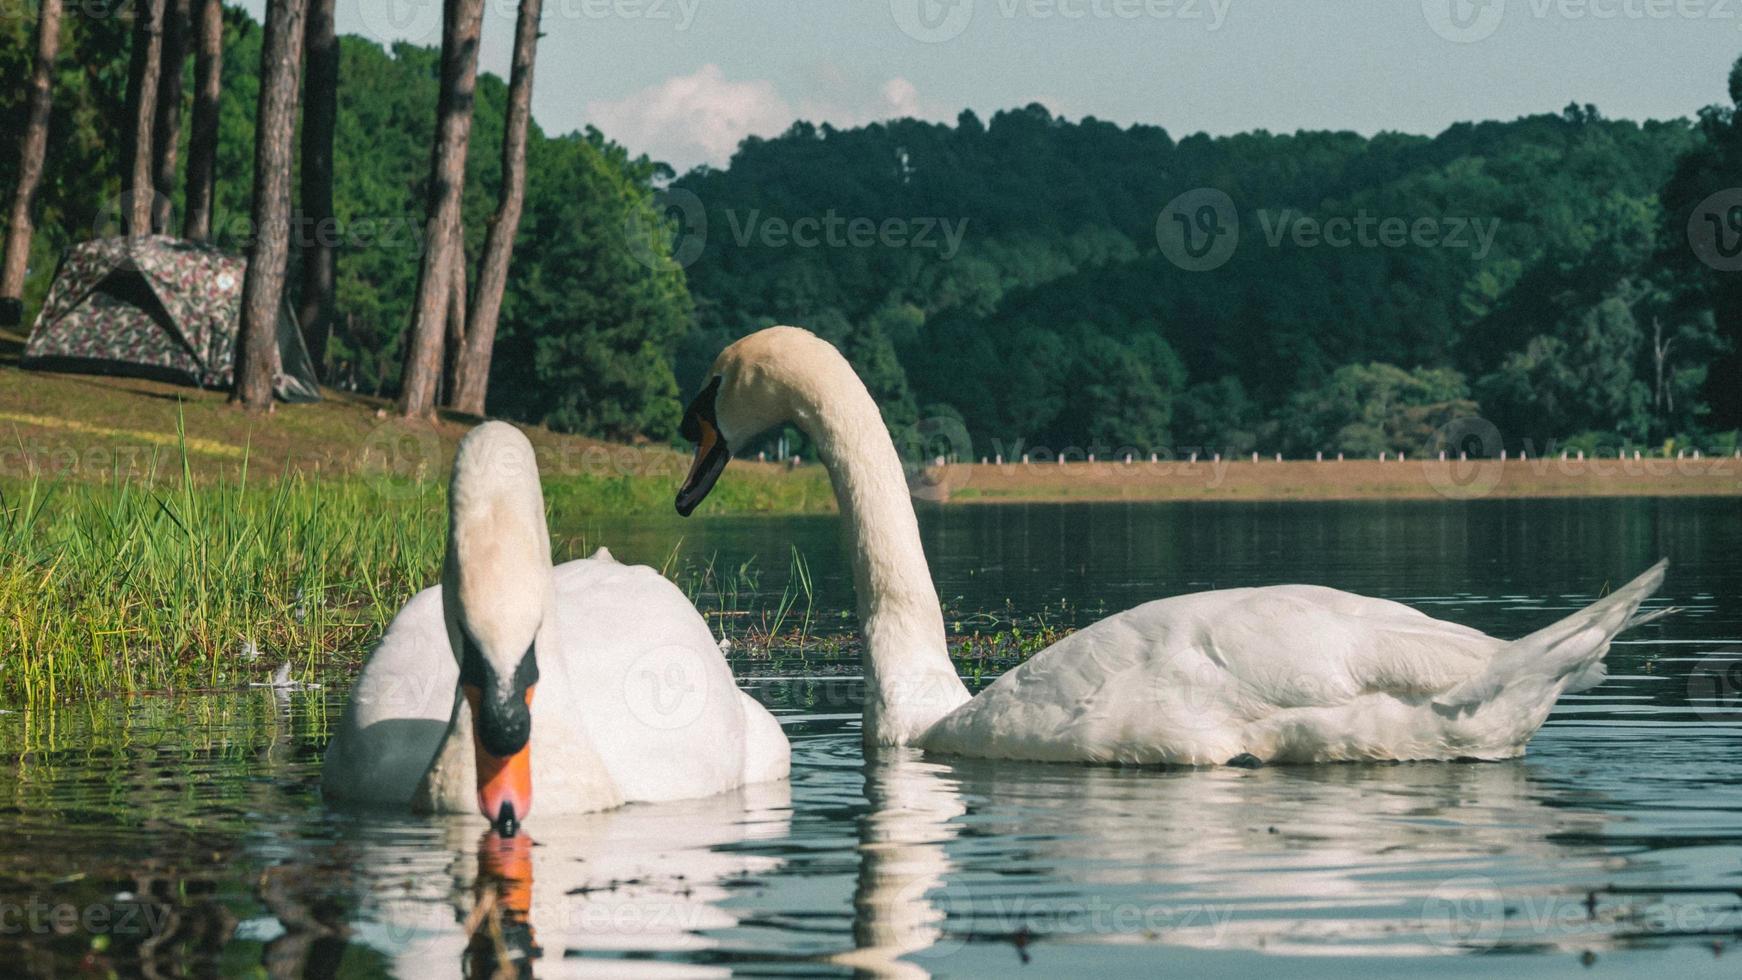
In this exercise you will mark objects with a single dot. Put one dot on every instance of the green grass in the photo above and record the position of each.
(138, 585)
(164, 579)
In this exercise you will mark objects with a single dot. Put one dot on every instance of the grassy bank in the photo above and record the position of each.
(152, 537)
(91, 429)
(85, 429)
(151, 585)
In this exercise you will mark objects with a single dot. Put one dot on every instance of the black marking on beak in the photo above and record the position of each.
(701, 426)
(505, 823)
(504, 719)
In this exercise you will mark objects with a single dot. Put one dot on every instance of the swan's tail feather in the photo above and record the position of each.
(1650, 616)
(1568, 652)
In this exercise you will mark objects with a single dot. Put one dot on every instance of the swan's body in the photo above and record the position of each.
(634, 701)
(1290, 673)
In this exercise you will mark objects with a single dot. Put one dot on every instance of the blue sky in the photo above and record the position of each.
(684, 80)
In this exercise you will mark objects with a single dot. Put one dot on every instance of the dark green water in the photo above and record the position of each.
(187, 837)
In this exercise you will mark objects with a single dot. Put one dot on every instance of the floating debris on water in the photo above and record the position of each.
(282, 681)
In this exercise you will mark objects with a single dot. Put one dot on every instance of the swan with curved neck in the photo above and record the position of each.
(784, 374)
(582, 686)
(1289, 673)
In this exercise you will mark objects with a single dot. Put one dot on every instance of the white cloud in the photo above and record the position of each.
(900, 99)
(688, 119)
(701, 117)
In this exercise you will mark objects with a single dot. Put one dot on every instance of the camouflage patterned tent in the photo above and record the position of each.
(156, 307)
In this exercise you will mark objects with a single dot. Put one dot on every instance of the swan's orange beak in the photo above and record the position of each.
(504, 782)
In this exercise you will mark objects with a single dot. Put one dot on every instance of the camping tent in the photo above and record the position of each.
(156, 307)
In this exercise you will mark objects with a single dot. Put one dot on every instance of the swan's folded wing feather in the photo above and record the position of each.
(1307, 646)
(1178, 670)
(398, 711)
(661, 704)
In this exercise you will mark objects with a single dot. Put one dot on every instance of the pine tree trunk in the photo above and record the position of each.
(454, 348)
(269, 250)
(166, 131)
(19, 228)
(461, 22)
(203, 139)
(143, 73)
(472, 379)
(320, 108)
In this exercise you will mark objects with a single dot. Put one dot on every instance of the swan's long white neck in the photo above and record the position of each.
(910, 682)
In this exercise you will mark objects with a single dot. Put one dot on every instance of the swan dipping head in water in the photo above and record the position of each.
(496, 591)
(514, 673)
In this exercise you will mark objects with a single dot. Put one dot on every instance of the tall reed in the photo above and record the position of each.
(167, 582)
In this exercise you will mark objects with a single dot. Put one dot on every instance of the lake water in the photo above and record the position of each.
(186, 836)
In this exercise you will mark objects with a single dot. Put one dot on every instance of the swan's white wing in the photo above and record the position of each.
(767, 753)
(398, 712)
(649, 682)
(1184, 680)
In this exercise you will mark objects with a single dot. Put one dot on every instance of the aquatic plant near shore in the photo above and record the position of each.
(149, 584)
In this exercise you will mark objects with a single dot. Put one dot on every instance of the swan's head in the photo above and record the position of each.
(498, 586)
(769, 378)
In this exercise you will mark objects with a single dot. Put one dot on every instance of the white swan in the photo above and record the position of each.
(634, 701)
(1291, 673)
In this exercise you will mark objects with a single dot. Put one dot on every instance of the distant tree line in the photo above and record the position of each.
(1537, 273)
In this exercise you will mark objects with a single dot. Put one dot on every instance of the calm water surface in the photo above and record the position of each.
(186, 836)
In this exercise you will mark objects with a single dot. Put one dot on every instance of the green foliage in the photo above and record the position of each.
(1708, 298)
(1366, 409)
(588, 329)
(1059, 323)
(80, 183)
(1216, 415)
(588, 332)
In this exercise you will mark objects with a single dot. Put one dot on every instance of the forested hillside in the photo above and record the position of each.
(1514, 269)
(1024, 274)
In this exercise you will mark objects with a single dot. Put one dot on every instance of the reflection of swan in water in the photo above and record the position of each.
(1393, 859)
(500, 922)
(1398, 860)
(648, 877)
(902, 863)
